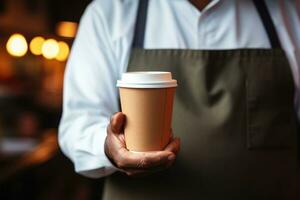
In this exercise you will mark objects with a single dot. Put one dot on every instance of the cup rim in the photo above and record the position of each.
(140, 79)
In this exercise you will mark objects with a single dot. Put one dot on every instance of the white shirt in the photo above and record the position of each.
(102, 47)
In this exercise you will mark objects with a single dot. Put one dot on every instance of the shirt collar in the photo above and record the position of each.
(199, 13)
(211, 4)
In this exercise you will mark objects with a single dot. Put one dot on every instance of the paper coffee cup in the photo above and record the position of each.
(147, 101)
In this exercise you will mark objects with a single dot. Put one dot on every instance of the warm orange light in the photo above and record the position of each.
(63, 51)
(17, 45)
(66, 29)
(36, 45)
(50, 49)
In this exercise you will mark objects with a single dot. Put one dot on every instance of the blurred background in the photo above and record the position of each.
(35, 40)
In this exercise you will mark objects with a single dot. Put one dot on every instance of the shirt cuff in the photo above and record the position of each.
(88, 169)
(91, 160)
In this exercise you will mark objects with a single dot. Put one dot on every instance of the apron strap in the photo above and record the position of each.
(140, 25)
(267, 22)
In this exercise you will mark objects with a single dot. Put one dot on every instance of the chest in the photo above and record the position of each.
(223, 25)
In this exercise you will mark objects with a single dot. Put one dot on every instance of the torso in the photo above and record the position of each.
(234, 112)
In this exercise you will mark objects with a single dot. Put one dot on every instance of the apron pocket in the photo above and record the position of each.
(269, 117)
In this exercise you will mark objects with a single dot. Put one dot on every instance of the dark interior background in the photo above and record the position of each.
(30, 104)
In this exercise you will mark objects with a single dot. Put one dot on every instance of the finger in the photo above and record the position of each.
(145, 172)
(122, 138)
(117, 122)
(141, 173)
(138, 173)
(173, 146)
(144, 160)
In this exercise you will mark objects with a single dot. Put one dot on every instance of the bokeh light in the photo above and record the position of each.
(17, 45)
(63, 51)
(66, 29)
(36, 45)
(50, 49)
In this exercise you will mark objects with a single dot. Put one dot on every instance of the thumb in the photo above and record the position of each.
(117, 122)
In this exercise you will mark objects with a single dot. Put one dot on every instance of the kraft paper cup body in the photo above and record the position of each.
(147, 103)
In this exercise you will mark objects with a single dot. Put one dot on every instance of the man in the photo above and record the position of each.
(235, 107)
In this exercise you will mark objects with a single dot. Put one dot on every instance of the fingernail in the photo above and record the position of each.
(171, 157)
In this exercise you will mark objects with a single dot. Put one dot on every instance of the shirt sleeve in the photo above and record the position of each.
(90, 96)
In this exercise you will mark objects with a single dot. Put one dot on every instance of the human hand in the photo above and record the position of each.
(136, 164)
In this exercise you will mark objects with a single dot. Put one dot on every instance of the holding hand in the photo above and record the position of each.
(136, 164)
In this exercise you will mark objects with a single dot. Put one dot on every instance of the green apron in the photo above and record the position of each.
(234, 112)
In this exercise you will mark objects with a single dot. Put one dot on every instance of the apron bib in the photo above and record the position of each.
(234, 112)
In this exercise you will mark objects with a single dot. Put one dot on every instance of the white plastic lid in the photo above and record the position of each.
(150, 79)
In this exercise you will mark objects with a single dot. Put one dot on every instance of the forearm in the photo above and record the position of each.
(81, 138)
